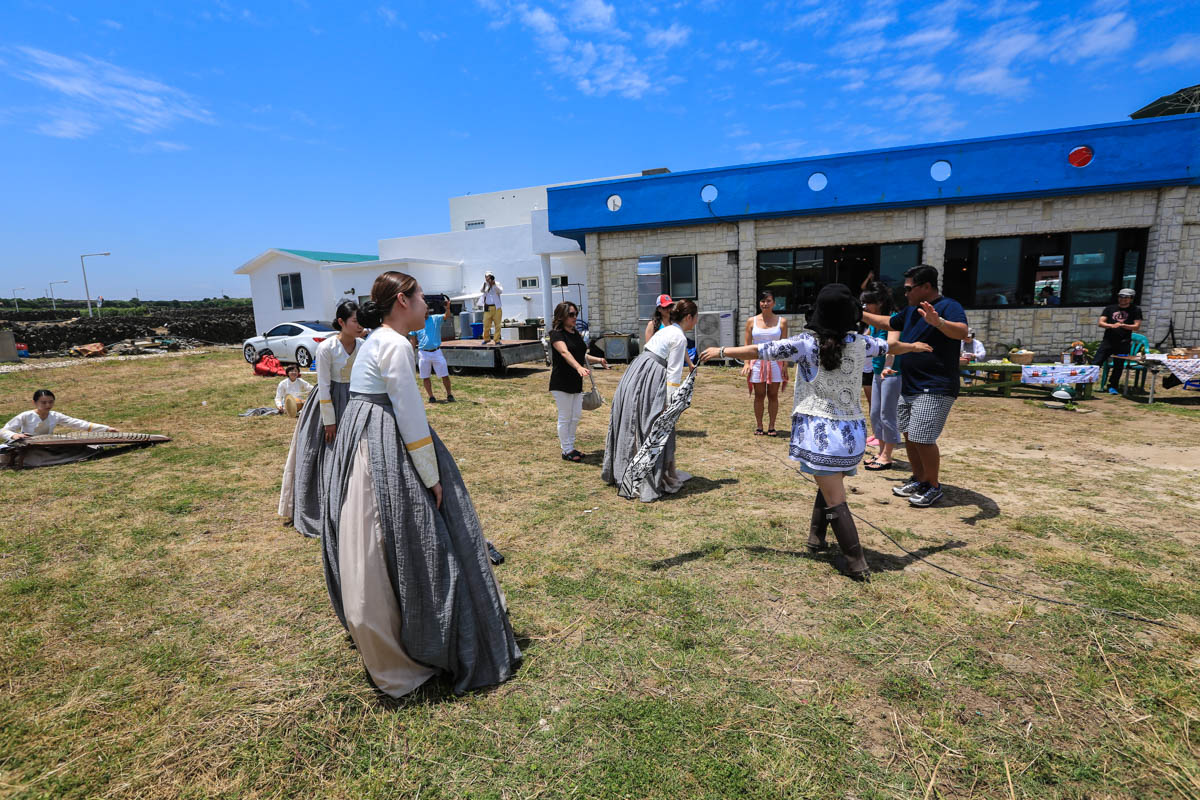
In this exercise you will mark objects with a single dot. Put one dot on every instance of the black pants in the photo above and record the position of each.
(1107, 350)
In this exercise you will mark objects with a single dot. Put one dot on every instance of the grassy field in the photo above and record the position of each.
(163, 635)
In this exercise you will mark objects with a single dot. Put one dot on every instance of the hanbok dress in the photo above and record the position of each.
(29, 423)
(410, 582)
(305, 472)
(641, 394)
(829, 432)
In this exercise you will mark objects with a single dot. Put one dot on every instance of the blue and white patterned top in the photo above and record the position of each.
(828, 429)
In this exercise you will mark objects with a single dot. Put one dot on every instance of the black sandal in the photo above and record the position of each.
(875, 465)
(772, 432)
(575, 456)
(758, 431)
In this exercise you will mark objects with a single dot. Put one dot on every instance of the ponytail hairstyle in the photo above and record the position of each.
(40, 393)
(831, 345)
(384, 291)
(559, 320)
(683, 309)
(345, 310)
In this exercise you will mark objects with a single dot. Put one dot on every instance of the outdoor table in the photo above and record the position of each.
(1185, 369)
(1002, 377)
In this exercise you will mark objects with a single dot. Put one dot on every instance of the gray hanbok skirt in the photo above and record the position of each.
(448, 608)
(306, 472)
(640, 395)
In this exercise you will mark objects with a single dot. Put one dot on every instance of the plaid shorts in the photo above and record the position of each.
(923, 416)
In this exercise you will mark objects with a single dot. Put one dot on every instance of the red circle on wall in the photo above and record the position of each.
(1080, 156)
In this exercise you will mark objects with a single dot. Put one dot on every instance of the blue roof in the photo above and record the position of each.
(323, 255)
(1163, 151)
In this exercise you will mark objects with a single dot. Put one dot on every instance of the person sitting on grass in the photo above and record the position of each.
(829, 432)
(291, 392)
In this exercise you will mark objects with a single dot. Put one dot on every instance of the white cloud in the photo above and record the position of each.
(431, 36)
(96, 92)
(390, 17)
(874, 23)
(545, 28)
(919, 78)
(1184, 50)
(170, 147)
(854, 77)
(771, 151)
(1100, 38)
(999, 47)
(928, 40)
(785, 105)
(997, 79)
(111, 23)
(860, 48)
(592, 15)
(666, 38)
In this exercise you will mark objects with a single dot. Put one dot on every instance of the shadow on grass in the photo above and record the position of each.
(879, 562)
(954, 496)
(691, 434)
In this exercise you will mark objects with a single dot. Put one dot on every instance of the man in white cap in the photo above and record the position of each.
(1119, 322)
(493, 314)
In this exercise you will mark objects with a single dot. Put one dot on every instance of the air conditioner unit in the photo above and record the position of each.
(714, 329)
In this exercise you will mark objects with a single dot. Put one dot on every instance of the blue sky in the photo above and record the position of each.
(187, 137)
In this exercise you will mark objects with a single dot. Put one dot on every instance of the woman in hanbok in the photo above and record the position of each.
(765, 379)
(42, 420)
(828, 429)
(405, 560)
(302, 495)
(641, 394)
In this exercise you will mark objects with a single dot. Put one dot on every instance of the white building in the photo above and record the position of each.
(505, 232)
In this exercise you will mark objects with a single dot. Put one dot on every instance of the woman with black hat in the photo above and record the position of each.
(828, 429)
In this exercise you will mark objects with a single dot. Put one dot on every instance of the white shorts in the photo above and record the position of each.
(432, 359)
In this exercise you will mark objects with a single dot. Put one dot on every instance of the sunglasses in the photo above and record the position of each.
(571, 315)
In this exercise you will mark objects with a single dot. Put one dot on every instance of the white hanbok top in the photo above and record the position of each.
(670, 343)
(333, 364)
(387, 366)
(30, 424)
(296, 388)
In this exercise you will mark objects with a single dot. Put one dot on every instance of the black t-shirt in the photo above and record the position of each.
(936, 372)
(1120, 336)
(563, 377)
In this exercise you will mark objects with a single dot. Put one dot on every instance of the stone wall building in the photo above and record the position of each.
(1033, 233)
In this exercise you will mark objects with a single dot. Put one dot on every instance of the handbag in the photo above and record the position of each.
(593, 399)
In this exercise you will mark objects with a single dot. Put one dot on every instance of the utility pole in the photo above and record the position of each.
(85, 283)
(52, 304)
(14, 291)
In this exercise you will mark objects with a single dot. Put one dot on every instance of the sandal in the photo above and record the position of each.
(875, 465)
(758, 431)
(772, 432)
(575, 457)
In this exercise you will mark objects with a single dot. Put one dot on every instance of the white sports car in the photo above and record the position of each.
(289, 342)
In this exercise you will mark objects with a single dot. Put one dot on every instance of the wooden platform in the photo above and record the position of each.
(474, 353)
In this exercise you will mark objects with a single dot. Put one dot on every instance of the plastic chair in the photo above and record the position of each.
(1139, 346)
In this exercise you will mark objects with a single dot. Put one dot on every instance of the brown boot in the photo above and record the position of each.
(819, 526)
(847, 537)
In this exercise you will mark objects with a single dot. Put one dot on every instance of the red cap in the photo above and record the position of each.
(664, 300)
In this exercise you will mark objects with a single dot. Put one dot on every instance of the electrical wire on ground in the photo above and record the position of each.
(948, 571)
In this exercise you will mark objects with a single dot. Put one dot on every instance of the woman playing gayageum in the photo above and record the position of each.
(828, 430)
(302, 493)
(406, 564)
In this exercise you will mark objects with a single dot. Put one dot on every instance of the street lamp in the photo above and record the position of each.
(85, 283)
(52, 305)
(14, 291)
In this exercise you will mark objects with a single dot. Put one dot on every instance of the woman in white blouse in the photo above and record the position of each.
(405, 560)
(41, 420)
(302, 494)
(642, 393)
(828, 429)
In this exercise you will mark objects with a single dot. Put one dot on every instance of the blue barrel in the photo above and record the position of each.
(476, 330)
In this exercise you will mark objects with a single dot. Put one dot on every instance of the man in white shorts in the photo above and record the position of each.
(430, 358)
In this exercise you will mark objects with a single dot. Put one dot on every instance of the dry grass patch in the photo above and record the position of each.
(164, 636)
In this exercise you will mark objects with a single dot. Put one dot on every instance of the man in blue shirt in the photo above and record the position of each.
(929, 381)
(429, 353)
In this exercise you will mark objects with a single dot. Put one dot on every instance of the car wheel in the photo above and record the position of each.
(303, 357)
(250, 353)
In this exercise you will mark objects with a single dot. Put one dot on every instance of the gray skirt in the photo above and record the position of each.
(452, 614)
(306, 473)
(640, 395)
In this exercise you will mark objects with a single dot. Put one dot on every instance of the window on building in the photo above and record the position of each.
(528, 283)
(795, 276)
(558, 280)
(679, 277)
(1076, 269)
(475, 224)
(649, 284)
(291, 294)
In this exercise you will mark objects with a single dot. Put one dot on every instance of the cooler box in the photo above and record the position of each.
(476, 330)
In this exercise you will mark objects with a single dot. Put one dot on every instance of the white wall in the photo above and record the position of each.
(506, 251)
(496, 209)
(264, 290)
